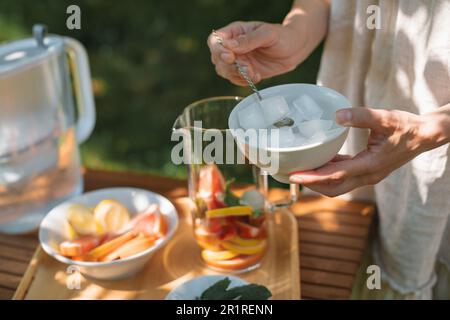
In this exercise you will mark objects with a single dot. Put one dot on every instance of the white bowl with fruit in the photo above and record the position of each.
(109, 233)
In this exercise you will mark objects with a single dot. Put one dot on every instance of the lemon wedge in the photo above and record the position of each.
(111, 215)
(209, 255)
(81, 220)
(70, 231)
(230, 211)
(244, 249)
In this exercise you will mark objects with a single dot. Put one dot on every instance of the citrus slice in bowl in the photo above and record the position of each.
(111, 215)
(81, 220)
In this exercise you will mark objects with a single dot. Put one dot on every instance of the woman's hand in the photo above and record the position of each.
(268, 49)
(395, 138)
(264, 49)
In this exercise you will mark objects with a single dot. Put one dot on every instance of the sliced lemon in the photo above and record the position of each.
(70, 231)
(230, 211)
(81, 219)
(246, 242)
(111, 215)
(209, 255)
(244, 249)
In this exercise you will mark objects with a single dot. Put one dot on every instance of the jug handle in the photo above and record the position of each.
(262, 183)
(293, 198)
(79, 66)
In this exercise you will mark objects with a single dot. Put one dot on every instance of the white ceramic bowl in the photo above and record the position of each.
(300, 158)
(192, 289)
(51, 230)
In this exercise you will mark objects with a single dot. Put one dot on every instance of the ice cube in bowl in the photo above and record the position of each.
(308, 108)
(284, 137)
(274, 108)
(302, 155)
(311, 127)
(251, 117)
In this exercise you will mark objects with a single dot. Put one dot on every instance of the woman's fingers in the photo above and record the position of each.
(230, 71)
(336, 171)
(361, 117)
(341, 157)
(333, 190)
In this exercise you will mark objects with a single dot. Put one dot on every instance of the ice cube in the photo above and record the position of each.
(308, 108)
(296, 116)
(285, 139)
(309, 128)
(251, 117)
(274, 109)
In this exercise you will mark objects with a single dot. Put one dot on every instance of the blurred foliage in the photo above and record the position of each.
(149, 59)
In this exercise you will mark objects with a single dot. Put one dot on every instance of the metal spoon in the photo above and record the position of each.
(285, 122)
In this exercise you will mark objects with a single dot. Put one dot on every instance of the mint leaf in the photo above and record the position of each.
(230, 199)
(219, 291)
(248, 292)
(256, 213)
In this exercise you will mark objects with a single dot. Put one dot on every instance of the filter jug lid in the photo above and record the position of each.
(23, 53)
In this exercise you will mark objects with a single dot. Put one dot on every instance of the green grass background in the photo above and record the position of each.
(149, 59)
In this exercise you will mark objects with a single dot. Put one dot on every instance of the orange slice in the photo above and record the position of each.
(245, 249)
(209, 255)
(111, 245)
(246, 242)
(111, 214)
(230, 211)
(238, 263)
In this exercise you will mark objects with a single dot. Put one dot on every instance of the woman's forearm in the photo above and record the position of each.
(310, 21)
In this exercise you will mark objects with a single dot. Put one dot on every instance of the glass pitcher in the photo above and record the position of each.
(41, 78)
(231, 210)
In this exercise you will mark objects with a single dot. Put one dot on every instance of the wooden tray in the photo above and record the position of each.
(174, 264)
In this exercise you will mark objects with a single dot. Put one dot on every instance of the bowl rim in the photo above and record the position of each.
(344, 130)
(217, 276)
(158, 244)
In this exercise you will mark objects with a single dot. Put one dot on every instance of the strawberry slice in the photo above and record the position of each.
(227, 232)
(247, 231)
(211, 186)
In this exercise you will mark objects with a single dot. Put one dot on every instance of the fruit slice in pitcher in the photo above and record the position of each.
(209, 255)
(245, 249)
(238, 263)
(211, 186)
(230, 211)
(246, 230)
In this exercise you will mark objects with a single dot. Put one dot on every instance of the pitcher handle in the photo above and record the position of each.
(262, 183)
(293, 197)
(79, 66)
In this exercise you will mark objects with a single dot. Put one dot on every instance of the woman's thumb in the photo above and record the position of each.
(362, 117)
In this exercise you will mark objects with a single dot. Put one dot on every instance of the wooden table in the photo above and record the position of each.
(332, 233)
